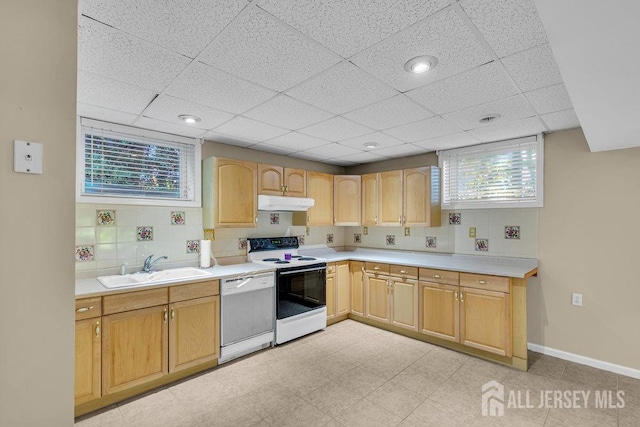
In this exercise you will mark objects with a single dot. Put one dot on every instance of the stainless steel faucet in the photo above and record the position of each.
(148, 264)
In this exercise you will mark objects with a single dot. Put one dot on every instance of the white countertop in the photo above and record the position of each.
(498, 266)
(91, 287)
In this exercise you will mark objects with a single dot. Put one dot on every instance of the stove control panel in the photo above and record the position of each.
(272, 243)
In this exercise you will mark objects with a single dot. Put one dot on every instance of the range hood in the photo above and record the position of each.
(282, 203)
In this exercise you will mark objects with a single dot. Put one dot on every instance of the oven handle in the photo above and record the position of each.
(284, 273)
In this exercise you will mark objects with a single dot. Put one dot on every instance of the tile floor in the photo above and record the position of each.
(352, 374)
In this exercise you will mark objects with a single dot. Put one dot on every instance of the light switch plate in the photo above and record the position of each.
(27, 157)
(472, 232)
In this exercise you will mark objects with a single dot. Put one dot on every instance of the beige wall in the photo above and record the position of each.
(429, 159)
(37, 103)
(588, 243)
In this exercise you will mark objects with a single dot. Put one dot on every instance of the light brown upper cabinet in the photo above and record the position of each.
(390, 198)
(370, 199)
(346, 199)
(320, 189)
(229, 193)
(281, 181)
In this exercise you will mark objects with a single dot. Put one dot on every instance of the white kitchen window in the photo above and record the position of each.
(503, 174)
(125, 165)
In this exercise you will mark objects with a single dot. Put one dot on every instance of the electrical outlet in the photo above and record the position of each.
(209, 234)
(472, 232)
(576, 299)
(307, 231)
(365, 230)
(407, 231)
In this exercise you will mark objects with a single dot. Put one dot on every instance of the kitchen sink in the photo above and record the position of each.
(156, 277)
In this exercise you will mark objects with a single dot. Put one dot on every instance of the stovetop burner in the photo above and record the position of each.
(271, 259)
(281, 262)
(306, 258)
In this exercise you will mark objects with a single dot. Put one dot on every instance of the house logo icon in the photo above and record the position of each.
(493, 399)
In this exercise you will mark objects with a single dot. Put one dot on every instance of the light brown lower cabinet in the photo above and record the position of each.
(356, 269)
(391, 299)
(87, 360)
(338, 289)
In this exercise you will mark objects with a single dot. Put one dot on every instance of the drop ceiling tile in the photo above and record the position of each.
(112, 94)
(550, 99)
(331, 151)
(105, 114)
(263, 146)
(287, 113)
(248, 129)
(455, 140)
(383, 141)
(418, 131)
(342, 88)
(209, 86)
(226, 139)
(401, 151)
(296, 141)
(160, 126)
(111, 53)
(445, 36)
(533, 68)
(318, 157)
(185, 27)
(514, 107)
(167, 108)
(509, 26)
(336, 129)
(347, 27)
(391, 112)
(363, 157)
(514, 129)
(560, 120)
(260, 49)
(478, 86)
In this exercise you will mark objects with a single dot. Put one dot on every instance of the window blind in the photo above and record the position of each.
(502, 174)
(131, 166)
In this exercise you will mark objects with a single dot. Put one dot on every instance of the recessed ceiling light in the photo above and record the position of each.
(489, 118)
(370, 145)
(421, 64)
(187, 118)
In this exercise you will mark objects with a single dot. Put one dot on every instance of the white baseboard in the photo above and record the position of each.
(583, 360)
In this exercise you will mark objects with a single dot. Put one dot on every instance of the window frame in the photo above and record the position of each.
(497, 204)
(143, 134)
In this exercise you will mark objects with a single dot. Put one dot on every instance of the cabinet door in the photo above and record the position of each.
(485, 320)
(87, 360)
(320, 188)
(440, 311)
(343, 290)
(331, 296)
(404, 303)
(346, 196)
(270, 180)
(390, 198)
(377, 297)
(370, 199)
(194, 332)
(421, 197)
(235, 194)
(295, 181)
(357, 287)
(134, 348)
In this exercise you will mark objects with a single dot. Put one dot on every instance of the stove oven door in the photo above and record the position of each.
(301, 289)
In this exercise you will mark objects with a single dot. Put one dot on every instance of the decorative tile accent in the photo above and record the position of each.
(391, 239)
(275, 218)
(178, 218)
(84, 253)
(242, 244)
(512, 232)
(455, 218)
(330, 238)
(482, 245)
(106, 217)
(193, 246)
(145, 233)
(300, 240)
(430, 242)
(209, 234)
(357, 238)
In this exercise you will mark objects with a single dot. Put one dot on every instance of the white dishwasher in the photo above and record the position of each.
(248, 314)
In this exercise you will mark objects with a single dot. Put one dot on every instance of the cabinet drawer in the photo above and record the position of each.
(194, 290)
(331, 268)
(404, 271)
(440, 276)
(483, 281)
(134, 300)
(87, 308)
(376, 268)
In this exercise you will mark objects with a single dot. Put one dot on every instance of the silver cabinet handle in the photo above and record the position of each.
(482, 282)
(97, 329)
(173, 313)
(164, 316)
(455, 295)
(84, 309)
(437, 276)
